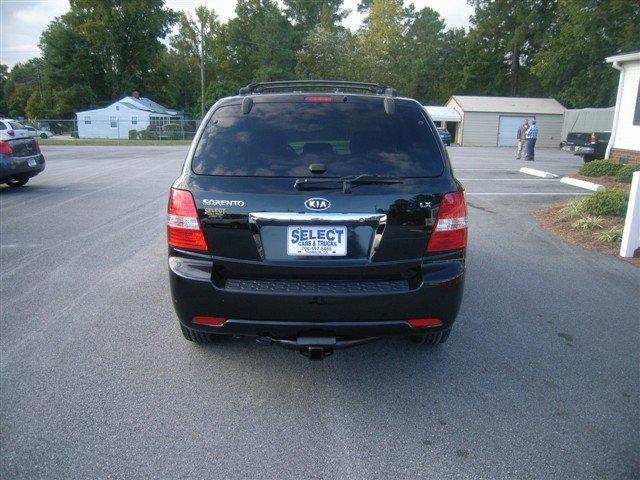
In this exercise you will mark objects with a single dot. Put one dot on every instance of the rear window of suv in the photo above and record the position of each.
(348, 138)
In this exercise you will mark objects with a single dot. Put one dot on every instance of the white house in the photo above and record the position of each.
(129, 113)
(494, 121)
(625, 133)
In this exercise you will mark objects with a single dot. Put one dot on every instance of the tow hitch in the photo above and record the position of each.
(315, 348)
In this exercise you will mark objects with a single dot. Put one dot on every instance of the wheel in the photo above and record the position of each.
(43, 135)
(588, 158)
(196, 336)
(430, 338)
(14, 183)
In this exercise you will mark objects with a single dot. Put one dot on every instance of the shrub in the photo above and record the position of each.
(148, 134)
(607, 202)
(613, 235)
(625, 173)
(587, 222)
(575, 209)
(600, 168)
(171, 131)
(133, 134)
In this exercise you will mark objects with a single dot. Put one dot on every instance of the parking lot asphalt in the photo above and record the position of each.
(539, 379)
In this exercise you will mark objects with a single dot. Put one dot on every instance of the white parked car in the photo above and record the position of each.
(34, 132)
(12, 129)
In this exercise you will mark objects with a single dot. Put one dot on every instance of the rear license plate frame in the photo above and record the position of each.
(317, 241)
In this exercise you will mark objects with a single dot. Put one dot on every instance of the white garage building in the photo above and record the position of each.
(494, 121)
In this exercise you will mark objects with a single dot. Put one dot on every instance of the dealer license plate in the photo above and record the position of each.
(317, 240)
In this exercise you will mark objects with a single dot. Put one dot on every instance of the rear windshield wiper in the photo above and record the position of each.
(347, 182)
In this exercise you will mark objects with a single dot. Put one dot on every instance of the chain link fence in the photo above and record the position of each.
(114, 131)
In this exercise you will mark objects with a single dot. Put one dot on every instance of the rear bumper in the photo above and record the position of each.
(577, 150)
(18, 167)
(282, 308)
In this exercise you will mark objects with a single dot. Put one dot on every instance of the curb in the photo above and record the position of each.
(538, 173)
(595, 187)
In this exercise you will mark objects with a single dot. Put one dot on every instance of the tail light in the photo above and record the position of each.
(11, 133)
(5, 148)
(450, 231)
(183, 227)
(594, 138)
(38, 147)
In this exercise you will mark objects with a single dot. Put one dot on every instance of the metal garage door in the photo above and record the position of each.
(508, 129)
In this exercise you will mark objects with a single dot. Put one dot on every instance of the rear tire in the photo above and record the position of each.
(196, 336)
(430, 338)
(14, 183)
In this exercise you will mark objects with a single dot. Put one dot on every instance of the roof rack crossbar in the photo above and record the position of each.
(264, 87)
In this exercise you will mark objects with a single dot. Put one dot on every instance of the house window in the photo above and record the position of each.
(636, 115)
(113, 121)
(157, 121)
(87, 120)
(134, 120)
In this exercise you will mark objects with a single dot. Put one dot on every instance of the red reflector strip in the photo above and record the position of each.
(209, 321)
(424, 322)
(318, 99)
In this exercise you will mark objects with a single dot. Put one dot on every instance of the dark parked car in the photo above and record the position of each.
(317, 221)
(445, 135)
(589, 146)
(20, 158)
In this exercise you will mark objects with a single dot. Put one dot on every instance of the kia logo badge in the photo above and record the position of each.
(317, 204)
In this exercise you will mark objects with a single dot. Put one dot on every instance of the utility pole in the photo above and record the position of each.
(201, 69)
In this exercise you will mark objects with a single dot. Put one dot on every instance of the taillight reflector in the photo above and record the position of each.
(318, 99)
(5, 148)
(424, 322)
(450, 230)
(183, 226)
(209, 321)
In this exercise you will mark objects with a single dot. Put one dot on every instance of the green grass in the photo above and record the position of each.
(588, 222)
(614, 235)
(111, 142)
(574, 209)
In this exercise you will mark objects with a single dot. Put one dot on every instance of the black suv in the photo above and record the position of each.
(317, 220)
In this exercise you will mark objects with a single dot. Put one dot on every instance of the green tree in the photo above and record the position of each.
(110, 46)
(417, 62)
(506, 34)
(381, 39)
(183, 62)
(4, 76)
(320, 59)
(257, 44)
(572, 66)
(307, 15)
(39, 105)
(21, 82)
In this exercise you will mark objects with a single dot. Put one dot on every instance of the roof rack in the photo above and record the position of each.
(299, 85)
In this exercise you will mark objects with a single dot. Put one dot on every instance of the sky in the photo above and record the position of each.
(22, 21)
